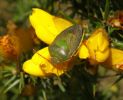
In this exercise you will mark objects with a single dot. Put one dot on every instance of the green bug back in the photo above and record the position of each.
(65, 44)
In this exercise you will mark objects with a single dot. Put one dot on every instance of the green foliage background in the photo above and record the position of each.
(78, 83)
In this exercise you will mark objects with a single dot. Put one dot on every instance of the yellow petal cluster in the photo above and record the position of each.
(96, 47)
(39, 65)
(47, 26)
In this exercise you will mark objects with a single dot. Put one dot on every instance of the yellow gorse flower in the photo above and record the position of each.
(40, 65)
(96, 47)
(47, 26)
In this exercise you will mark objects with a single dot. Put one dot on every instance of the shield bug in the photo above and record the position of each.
(66, 44)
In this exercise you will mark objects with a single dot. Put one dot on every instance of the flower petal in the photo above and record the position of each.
(98, 47)
(115, 59)
(61, 24)
(47, 27)
(31, 68)
(40, 65)
(83, 52)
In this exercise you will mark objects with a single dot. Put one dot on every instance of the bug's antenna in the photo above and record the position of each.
(44, 57)
(41, 55)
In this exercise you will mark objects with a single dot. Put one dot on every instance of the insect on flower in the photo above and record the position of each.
(66, 44)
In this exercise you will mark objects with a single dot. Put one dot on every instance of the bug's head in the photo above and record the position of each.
(55, 60)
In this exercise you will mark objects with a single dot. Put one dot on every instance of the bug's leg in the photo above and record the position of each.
(42, 66)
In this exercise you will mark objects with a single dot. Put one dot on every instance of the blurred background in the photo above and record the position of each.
(78, 83)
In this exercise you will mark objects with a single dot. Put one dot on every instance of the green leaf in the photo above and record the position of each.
(10, 80)
(21, 84)
(11, 86)
(106, 9)
(44, 95)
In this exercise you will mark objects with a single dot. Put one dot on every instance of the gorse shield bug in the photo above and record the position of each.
(66, 44)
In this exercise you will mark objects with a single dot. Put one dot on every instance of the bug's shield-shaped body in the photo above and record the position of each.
(66, 44)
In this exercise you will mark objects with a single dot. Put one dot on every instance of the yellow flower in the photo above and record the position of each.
(115, 59)
(83, 52)
(96, 47)
(47, 26)
(39, 65)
